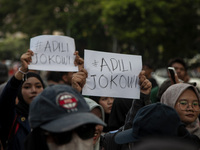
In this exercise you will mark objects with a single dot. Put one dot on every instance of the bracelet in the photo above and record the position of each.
(22, 71)
(24, 77)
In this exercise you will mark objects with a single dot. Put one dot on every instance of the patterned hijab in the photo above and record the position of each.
(170, 97)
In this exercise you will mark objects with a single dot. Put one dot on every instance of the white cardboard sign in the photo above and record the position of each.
(53, 53)
(112, 75)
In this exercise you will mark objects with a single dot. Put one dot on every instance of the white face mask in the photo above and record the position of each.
(75, 144)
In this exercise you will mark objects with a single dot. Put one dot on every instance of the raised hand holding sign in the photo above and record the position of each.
(112, 75)
(53, 53)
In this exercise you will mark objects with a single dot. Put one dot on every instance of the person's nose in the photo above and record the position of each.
(110, 100)
(96, 127)
(33, 89)
(189, 107)
(178, 71)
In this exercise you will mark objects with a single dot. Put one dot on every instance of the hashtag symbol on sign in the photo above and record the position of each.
(95, 63)
(38, 45)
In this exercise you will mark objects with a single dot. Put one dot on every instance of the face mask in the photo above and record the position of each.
(75, 144)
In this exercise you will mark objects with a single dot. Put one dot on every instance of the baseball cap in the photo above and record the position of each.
(152, 120)
(60, 108)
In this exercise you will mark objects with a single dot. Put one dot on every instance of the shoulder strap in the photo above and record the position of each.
(14, 128)
(12, 132)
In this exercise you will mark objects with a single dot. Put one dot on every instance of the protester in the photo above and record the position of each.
(106, 103)
(54, 77)
(3, 73)
(61, 119)
(114, 117)
(181, 71)
(118, 113)
(108, 142)
(152, 121)
(119, 106)
(99, 112)
(23, 86)
(147, 67)
(184, 98)
(75, 79)
(79, 79)
(181, 68)
(3, 76)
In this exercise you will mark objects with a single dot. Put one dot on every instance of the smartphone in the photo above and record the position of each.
(172, 72)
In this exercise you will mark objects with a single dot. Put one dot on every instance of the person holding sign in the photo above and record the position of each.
(24, 86)
(57, 54)
(79, 78)
(108, 142)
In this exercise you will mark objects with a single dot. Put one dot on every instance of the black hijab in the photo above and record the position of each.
(22, 106)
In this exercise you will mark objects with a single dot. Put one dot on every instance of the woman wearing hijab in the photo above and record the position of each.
(15, 99)
(106, 103)
(185, 99)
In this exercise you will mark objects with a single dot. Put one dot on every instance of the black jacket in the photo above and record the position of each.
(18, 129)
(107, 141)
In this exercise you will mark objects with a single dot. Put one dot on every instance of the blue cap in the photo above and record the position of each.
(151, 121)
(60, 108)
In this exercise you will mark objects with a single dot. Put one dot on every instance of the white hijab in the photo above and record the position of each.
(171, 95)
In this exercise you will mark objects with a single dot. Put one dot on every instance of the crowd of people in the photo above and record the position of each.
(50, 113)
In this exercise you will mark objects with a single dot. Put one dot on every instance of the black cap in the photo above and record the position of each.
(150, 121)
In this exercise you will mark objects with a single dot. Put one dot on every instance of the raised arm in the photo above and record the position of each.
(25, 61)
(145, 89)
(79, 78)
(78, 61)
(9, 94)
(145, 84)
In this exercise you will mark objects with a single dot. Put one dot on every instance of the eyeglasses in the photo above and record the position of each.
(184, 104)
(84, 132)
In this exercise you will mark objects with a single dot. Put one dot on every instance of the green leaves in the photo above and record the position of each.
(125, 26)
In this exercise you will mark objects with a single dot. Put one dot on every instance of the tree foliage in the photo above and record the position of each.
(12, 48)
(159, 29)
(155, 29)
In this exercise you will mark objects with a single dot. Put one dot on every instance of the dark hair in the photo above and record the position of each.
(3, 73)
(177, 60)
(148, 64)
(55, 76)
(95, 98)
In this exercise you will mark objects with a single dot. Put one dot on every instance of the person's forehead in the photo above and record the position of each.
(177, 65)
(188, 93)
(31, 80)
